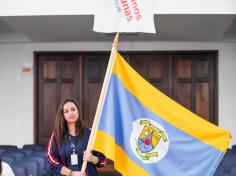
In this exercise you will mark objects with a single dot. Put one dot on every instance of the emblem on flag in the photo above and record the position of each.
(149, 141)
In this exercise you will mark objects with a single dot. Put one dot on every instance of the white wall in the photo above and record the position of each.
(16, 89)
(81, 7)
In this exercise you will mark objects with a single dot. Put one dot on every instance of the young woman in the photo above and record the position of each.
(68, 143)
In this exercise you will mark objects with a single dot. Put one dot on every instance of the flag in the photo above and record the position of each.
(124, 16)
(146, 133)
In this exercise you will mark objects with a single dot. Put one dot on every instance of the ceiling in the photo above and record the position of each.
(211, 28)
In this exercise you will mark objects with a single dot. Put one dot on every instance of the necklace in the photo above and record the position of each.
(72, 144)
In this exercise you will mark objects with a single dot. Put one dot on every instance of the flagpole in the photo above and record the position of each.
(101, 98)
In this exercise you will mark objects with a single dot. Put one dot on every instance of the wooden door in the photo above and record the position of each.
(57, 77)
(194, 83)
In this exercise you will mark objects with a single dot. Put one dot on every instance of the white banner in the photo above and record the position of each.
(124, 16)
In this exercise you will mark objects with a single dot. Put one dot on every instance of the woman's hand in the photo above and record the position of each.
(89, 157)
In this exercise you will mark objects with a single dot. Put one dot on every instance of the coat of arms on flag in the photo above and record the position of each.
(149, 141)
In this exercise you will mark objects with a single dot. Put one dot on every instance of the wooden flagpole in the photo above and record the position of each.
(101, 98)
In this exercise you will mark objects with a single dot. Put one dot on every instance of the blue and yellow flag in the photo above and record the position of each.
(146, 133)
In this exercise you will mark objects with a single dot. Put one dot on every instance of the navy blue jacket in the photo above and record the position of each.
(59, 158)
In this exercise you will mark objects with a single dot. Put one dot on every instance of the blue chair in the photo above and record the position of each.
(15, 154)
(30, 166)
(219, 169)
(221, 174)
(8, 159)
(226, 174)
(40, 161)
(8, 147)
(2, 151)
(35, 147)
(233, 171)
(27, 152)
(229, 164)
(218, 174)
(18, 170)
(42, 154)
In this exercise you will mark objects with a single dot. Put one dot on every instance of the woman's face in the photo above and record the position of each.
(70, 112)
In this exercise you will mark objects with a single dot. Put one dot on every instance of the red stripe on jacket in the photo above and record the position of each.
(51, 158)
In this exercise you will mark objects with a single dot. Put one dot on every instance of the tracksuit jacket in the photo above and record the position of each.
(59, 157)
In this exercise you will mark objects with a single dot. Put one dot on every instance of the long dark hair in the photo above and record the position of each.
(60, 126)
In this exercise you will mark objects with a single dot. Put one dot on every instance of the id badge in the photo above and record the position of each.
(74, 159)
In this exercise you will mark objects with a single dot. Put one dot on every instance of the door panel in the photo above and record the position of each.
(202, 68)
(49, 69)
(197, 70)
(93, 75)
(184, 94)
(67, 90)
(183, 67)
(202, 100)
(57, 76)
(49, 109)
(68, 69)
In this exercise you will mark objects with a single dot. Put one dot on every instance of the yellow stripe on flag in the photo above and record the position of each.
(123, 163)
(168, 109)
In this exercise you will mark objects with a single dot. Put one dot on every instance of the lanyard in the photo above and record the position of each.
(72, 144)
